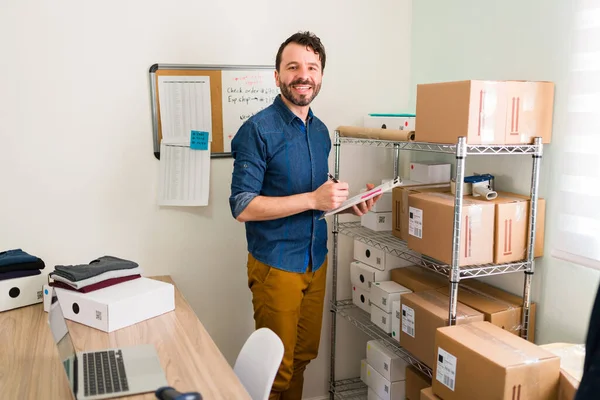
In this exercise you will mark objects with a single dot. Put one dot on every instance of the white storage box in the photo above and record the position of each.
(118, 306)
(363, 370)
(361, 275)
(360, 297)
(377, 258)
(384, 204)
(384, 361)
(383, 388)
(371, 395)
(430, 172)
(20, 292)
(386, 292)
(382, 319)
(377, 221)
(389, 122)
(396, 320)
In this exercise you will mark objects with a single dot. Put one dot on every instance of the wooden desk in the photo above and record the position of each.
(30, 367)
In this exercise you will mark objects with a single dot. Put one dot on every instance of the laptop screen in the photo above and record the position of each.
(66, 350)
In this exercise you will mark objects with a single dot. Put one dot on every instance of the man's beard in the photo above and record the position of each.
(299, 100)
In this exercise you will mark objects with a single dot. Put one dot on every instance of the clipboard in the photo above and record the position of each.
(369, 194)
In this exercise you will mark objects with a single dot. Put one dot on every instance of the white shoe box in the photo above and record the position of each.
(360, 297)
(396, 320)
(385, 292)
(430, 172)
(391, 122)
(362, 275)
(380, 318)
(377, 258)
(377, 221)
(371, 395)
(384, 204)
(118, 306)
(383, 388)
(20, 292)
(363, 370)
(385, 361)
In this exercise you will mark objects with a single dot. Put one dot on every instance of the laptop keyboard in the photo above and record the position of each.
(104, 372)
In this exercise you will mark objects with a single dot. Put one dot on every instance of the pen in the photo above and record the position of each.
(332, 178)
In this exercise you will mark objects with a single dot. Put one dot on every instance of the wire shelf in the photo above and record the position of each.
(530, 149)
(362, 320)
(391, 244)
(353, 389)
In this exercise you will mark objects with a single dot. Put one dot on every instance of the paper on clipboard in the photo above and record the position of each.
(369, 194)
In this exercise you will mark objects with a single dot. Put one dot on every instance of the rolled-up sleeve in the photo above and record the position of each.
(249, 154)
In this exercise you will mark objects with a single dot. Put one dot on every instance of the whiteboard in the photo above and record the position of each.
(244, 93)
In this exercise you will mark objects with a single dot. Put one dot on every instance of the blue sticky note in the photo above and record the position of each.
(199, 140)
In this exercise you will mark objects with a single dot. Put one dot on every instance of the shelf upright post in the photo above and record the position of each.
(335, 231)
(533, 203)
(396, 160)
(461, 154)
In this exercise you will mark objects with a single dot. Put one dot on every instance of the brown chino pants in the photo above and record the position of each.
(291, 305)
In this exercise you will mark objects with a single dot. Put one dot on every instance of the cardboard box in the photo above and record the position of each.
(396, 320)
(360, 297)
(567, 386)
(572, 357)
(384, 204)
(362, 275)
(377, 258)
(485, 112)
(427, 394)
(500, 294)
(377, 221)
(512, 228)
(430, 172)
(424, 312)
(385, 389)
(418, 279)
(371, 395)
(20, 292)
(481, 361)
(498, 312)
(391, 122)
(118, 306)
(385, 292)
(381, 319)
(415, 382)
(400, 204)
(431, 224)
(385, 361)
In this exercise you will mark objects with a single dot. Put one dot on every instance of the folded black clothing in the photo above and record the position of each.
(38, 264)
(103, 264)
(19, 274)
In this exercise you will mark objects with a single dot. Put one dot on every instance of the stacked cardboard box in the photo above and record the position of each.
(385, 372)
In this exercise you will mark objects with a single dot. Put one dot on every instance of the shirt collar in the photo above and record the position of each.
(287, 114)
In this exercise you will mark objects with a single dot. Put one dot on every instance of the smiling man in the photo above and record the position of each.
(280, 189)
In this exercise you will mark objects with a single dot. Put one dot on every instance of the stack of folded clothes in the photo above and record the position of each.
(100, 273)
(18, 264)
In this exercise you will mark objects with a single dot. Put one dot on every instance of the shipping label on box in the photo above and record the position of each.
(385, 361)
(506, 366)
(385, 292)
(377, 221)
(422, 314)
(118, 306)
(360, 297)
(363, 275)
(20, 292)
(382, 319)
(377, 258)
(433, 225)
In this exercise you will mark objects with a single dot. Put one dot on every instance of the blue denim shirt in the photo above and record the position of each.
(276, 154)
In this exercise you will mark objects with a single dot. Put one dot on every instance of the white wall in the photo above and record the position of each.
(470, 39)
(76, 159)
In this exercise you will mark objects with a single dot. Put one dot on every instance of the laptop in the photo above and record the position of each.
(108, 373)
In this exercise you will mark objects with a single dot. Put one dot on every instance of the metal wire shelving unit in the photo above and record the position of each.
(355, 388)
